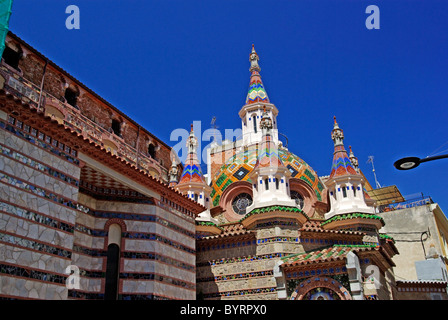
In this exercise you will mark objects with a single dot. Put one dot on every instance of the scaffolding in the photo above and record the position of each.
(5, 14)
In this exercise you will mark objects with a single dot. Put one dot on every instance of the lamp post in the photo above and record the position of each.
(413, 162)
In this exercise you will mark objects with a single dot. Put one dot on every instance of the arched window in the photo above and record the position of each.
(277, 183)
(344, 192)
(254, 117)
(266, 184)
(113, 263)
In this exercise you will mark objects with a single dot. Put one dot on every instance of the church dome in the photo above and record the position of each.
(238, 167)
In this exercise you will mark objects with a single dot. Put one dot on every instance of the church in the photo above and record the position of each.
(94, 206)
(273, 228)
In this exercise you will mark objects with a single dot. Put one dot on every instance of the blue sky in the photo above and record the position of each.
(169, 63)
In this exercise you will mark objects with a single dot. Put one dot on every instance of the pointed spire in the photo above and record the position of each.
(192, 169)
(353, 160)
(256, 92)
(341, 162)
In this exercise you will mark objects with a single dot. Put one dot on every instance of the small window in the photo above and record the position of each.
(116, 127)
(152, 151)
(71, 96)
(12, 57)
(298, 198)
(277, 183)
(266, 184)
(241, 202)
(344, 192)
(255, 124)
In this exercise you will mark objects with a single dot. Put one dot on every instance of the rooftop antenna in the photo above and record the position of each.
(214, 126)
(370, 160)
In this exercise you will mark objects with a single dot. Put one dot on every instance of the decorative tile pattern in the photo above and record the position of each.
(233, 171)
(341, 163)
(256, 92)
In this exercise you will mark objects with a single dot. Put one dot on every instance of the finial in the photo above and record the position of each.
(191, 130)
(337, 135)
(253, 58)
(350, 147)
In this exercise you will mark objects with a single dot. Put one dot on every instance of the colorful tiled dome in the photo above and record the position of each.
(238, 167)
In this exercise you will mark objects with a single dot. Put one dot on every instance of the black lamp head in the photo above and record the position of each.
(407, 163)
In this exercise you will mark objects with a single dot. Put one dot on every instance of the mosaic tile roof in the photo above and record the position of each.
(341, 163)
(353, 216)
(256, 92)
(192, 171)
(237, 168)
(329, 254)
(231, 230)
(274, 208)
(315, 227)
(268, 156)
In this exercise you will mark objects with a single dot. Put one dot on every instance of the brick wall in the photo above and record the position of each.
(56, 81)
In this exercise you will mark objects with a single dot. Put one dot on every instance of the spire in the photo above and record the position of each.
(353, 160)
(341, 162)
(256, 92)
(192, 169)
(345, 185)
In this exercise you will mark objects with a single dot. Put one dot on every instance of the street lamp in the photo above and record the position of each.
(413, 162)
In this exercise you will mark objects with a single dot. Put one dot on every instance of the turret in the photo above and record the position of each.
(345, 184)
(257, 100)
(270, 177)
(192, 182)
